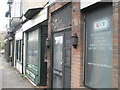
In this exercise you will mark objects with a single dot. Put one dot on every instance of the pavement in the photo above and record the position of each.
(10, 77)
(1, 67)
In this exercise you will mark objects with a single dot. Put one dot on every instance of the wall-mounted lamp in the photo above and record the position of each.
(74, 40)
(10, 38)
(48, 42)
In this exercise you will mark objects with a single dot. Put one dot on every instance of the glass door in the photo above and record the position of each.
(57, 60)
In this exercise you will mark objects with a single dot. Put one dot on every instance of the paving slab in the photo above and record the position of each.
(11, 78)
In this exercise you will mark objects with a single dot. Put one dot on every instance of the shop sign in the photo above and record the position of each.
(33, 67)
(42, 16)
(57, 72)
(101, 25)
(30, 74)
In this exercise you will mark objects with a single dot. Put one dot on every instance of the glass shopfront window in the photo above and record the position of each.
(33, 47)
(32, 62)
(32, 51)
(19, 50)
(98, 63)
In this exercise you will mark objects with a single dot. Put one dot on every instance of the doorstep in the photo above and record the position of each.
(44, 87)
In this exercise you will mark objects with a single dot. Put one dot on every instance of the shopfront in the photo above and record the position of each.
(11, 49)
(61, 47)
(19, 50)
(98, 48)
(35, 65)
(35, 34)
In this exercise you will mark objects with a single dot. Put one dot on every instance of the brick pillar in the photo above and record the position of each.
(77, 53)
(48, 52)
(116, 45)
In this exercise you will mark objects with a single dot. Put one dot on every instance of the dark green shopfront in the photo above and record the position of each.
(36, 67)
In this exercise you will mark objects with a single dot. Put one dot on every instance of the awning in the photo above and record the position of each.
(32, 12)
(41, 17)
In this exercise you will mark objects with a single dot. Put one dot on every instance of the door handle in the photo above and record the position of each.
(61, 63)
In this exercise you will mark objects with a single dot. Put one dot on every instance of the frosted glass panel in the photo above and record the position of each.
(58, 47)
(98, 66)
(33, 47)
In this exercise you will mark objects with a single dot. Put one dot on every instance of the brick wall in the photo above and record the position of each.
(52, 8)
(77, 53)
(116, 45)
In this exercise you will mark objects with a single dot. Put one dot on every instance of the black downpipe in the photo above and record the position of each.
(22, 52)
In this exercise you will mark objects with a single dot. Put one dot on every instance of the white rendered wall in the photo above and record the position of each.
(19, 67)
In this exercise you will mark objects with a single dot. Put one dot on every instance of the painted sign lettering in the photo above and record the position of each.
(102, 24)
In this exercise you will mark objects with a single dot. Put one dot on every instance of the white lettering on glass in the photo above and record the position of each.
(59, 40)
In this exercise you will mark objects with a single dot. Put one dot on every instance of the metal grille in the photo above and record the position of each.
(61, 18)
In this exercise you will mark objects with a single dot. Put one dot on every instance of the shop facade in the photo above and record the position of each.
(98, 46)
(61, 31)
(61, 46)
(10, 48)
(35, 34)
(69, 45)
(18, 52)
(86, 40)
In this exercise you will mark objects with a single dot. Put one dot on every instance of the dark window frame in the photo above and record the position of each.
(19, 50)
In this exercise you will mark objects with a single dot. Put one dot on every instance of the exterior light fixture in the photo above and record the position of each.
(10, 38)
(48, 42)
(74, 40)
(10, 2)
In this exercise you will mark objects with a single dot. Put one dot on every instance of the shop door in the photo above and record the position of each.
(10, 51)
(61, 59)
(61, 55)
(98, 56)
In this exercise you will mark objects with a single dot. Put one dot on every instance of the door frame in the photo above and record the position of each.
(52, 52)
(26, 50)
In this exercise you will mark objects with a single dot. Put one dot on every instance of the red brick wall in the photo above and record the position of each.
(116, 45)
(77, 53)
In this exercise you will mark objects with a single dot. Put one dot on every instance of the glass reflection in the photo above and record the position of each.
(33, 47)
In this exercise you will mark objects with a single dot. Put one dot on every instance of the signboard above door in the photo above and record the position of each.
(42, 16)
